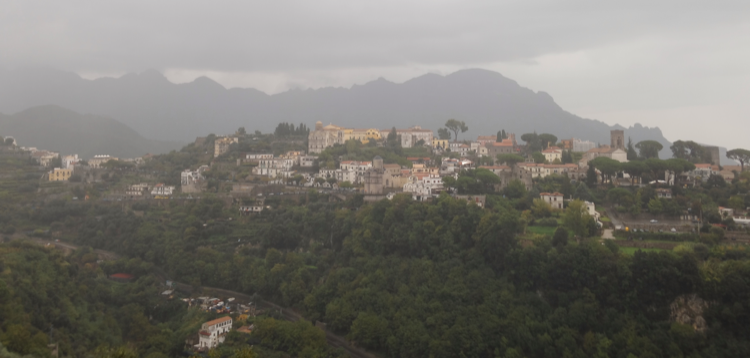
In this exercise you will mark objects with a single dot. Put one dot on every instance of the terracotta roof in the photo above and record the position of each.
(602, 149)
(487, 137)
(569, 165)
(551, 150)
(219, 320)
(504, 143)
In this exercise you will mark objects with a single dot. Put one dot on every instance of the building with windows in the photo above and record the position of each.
(60, 174)
(552, 153)
(162, 190)
(507, 145)
(411, 136)
(555, 200)
(98, 160)
(582, 146)
(221, 145)
(212, 333)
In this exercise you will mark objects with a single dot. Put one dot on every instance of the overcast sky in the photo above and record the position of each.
(681, 65)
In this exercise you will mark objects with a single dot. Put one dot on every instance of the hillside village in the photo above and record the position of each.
(237, 194)
(412, 161)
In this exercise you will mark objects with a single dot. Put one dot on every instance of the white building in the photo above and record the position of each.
(69, 160)
(251, 209)
(189, 177)
(212, 333)
(136, 189)
(583, 146)
(591, 208)
(410, 136)
(552, 153)
(276, 167)
(555, 200)
(162, 190)
(538, 170)
(258, 156)
(359, 167)
(702, 172)
(424, 186)
(44, 157)
(98, 160)
(307, 161)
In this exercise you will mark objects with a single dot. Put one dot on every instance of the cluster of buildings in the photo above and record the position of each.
(327, 136)
(282, 166)
(139, 190)
(221, 145)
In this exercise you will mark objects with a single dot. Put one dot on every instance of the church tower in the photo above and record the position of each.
(618, 139)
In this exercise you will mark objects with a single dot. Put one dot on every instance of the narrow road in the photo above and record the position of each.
(333, 339)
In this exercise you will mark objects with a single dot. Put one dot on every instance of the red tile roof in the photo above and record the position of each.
(219, 320)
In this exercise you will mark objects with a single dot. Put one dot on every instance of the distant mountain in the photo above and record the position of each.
(152, 105)
(61, 130)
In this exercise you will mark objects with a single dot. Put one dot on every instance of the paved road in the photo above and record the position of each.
(607, 234)
(333, 339)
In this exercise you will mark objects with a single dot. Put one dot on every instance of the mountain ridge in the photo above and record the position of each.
(149, 103)
(58, 129)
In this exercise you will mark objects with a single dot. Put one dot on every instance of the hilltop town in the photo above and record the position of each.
(382, 163)
(290, 215)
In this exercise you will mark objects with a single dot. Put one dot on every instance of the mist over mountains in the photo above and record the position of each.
(62, 130)
(159, 109)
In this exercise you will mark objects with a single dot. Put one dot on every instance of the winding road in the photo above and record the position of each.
(334, 340)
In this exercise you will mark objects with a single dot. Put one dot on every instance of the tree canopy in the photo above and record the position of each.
(455, 126)
(740, 155)
(649, 149)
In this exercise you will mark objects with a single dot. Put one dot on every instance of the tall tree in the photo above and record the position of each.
(567, 157)
(538, 157)
(607, 166)
(635, 169)
(547, 140)
(533, 143)
(510, 159)
(648, 149)
(444, 133)
(455, 126)
(393, 139)
(576, 218)
(690, 151)
(740, 155)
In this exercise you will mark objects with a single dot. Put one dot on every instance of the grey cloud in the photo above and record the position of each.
(284, 35)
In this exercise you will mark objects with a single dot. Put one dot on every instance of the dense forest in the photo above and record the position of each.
(400, 278)
(441, 279)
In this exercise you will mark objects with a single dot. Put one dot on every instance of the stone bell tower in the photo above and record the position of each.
(618, 139)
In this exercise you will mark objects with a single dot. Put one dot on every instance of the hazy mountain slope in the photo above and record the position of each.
(58, 129)
(152, 105)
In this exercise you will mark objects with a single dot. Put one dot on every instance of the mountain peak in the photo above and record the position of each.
(205, 82)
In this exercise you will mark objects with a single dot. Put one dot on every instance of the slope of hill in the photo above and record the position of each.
(149, 103)
(58, 129)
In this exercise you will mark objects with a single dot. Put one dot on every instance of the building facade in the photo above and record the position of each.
(212, 333)
(60, 174)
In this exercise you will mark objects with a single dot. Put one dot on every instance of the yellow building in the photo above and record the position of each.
(363, 135)
(442, 143)
(59, 174)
